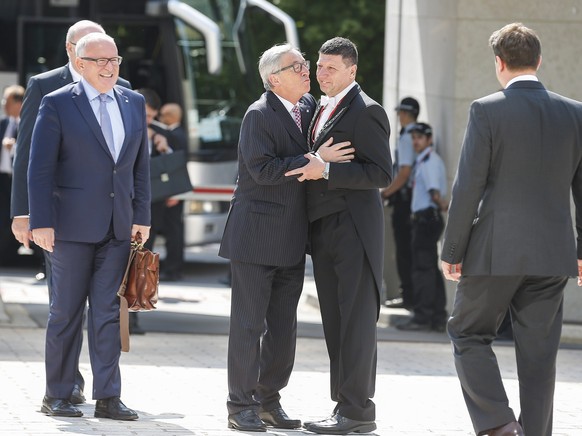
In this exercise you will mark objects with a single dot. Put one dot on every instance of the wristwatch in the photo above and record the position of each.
(325, 173)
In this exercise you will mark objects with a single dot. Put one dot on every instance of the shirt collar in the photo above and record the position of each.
(333, 101)
(92, 93)
(520, 78)
(423, 154)
(288, 105)
(76, 76)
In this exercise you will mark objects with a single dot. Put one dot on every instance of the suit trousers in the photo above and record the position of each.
(402, 228)
(263, 331)
(349, 304)
(79, 380)
(427, 279)
(82, 271)
(535, 304)
(170, 222)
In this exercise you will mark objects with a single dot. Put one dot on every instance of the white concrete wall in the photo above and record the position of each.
(438, 52)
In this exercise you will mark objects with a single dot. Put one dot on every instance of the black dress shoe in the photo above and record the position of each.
(113, 408)
(77, 396)
(246, 420)
(59, 407)
(338, 424)
(278, 418)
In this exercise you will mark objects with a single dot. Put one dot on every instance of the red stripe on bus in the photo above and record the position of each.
(213, 190)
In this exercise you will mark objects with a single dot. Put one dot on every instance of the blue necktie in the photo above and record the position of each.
(106, 126)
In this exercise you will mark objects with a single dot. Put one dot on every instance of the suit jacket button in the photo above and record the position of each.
(322, 194)
(112, 195)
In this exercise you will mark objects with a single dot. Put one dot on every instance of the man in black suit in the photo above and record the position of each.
(38, 86)
(12, 103)
(509, 239)
(347, 226)
(265, 239)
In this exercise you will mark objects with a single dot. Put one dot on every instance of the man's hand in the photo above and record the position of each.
(143, 230)
(451, 271)
(44, 238)
(171, 202)
(579, 272)
(22, 233)
(340, 152)
(161, 143)
(311, 171)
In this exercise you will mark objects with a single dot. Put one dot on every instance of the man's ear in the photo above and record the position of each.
(80, 64)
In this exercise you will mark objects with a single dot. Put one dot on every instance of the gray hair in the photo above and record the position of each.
(270, 61)
(88, 39)
(81, 26)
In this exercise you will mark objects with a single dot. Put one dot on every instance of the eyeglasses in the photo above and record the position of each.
(101, 62)
(297, 67)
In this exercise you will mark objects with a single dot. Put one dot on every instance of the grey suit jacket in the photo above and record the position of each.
(267, 223)
(510, 202)
(38, 86)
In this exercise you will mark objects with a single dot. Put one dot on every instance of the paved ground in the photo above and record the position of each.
(177, 381)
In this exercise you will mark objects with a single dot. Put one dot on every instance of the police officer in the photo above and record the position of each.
(398, 194)
(429, 186)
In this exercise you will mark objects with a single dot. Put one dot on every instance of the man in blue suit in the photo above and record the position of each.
(89, 195)
(39, 86)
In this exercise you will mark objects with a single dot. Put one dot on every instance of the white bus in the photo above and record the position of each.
(201, 54)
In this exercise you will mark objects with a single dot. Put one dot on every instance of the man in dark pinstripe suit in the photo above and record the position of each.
(265, 239)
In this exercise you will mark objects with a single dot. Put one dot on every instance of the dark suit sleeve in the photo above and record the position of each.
(28, 113)
(469, 184)
(44, 152)
(141, 177)
(577, 194)
(372, 166)
(257, 146)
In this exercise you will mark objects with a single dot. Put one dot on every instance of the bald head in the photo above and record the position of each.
(75, 33)
(171, 113)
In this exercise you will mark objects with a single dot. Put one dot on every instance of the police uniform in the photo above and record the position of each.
(403, 156)
(427, 226)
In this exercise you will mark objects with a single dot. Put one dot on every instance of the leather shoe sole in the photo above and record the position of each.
(246, 420)
(58, 407)
(77, 396)
(113, 408)
(338, 424)
(277, 418)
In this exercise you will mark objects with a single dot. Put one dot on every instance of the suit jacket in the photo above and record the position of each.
(75, 186)
(3, 126)
(267, 223)
(510, 203)
(355, 186)
(38, 86)
(176, 137)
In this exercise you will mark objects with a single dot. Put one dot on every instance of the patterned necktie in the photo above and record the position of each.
(297, 116)
(106, 126)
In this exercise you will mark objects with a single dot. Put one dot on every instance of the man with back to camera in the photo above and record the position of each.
(38, 86)
(347, 226)
(89, 195)
(509, 240)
